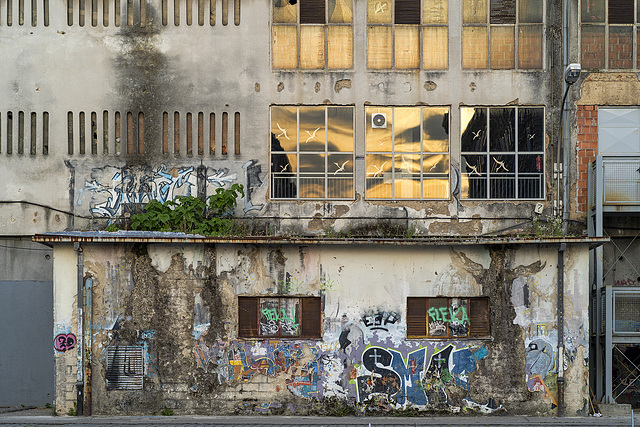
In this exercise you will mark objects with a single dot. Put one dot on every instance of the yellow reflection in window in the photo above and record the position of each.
(339, 129)
(406, 128)
(407, 176)
(379, 180)
(340, 47)
(284, 128)
(312, 177)
(379, 138)
(435, 125)
(312, 130)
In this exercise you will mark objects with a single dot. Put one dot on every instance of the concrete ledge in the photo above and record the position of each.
(615, 409)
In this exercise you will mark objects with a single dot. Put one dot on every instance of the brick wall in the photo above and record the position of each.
(587, 150)
(593, 47)
(620, 47)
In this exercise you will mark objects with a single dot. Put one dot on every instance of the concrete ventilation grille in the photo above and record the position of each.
(125, 367)
(627, 313)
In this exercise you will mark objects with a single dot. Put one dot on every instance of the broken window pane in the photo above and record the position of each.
(502, 129)
(312, 12)
(340, 47)
(435, 48)
(530, 11)
(592, 11)
(379, 11)
(340, 11)
(407, 47)
(530, 46)
(474, 11)
(435, 11)
(289, 316)
(379, 177)
(311, 46)
(474, 129)
(530, 129)
(269, 311)
(312, 132)
(502, 181)
(407, 12)
(474, 47)
(284, 11)
(593, 46)
(435, 129)
(503, 11)
(459, 318)
(502, 47)
(379, 47)
(285, 46)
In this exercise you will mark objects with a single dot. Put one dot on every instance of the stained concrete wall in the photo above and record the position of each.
(64, 69)
(179, 303)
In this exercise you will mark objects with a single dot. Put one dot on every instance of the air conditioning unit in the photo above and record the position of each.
(379, 120)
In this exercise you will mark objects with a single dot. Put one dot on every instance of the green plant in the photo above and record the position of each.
(48, 405)
(552, 226)
(111, 228)
(167, 412)
(73, 411)
(191, 215)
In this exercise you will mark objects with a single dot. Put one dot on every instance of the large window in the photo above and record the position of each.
(447, 317)
(407, 34)
(502, 34)
(279, 317)
(609, 32)
(312, 152)
(502, 152)
(407, 152)
(312, 34)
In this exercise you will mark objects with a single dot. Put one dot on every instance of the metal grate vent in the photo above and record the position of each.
(627, 312)
(125, 367)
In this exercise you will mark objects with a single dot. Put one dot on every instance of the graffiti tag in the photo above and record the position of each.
(275, 317)
(64, 342)
(380, 320)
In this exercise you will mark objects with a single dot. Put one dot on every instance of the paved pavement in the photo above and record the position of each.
(23, 417)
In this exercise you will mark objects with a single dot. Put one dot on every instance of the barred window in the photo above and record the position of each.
(441, 317)
(609, 32)
(312, 34)
(407, 152)
(502, 152)
(279, 317)
(407, 34)
(312, 152)
(502, 34)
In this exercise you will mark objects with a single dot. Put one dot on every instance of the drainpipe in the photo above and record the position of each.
(87, 339)
(79, 340)
(564, 123)
(560, 381)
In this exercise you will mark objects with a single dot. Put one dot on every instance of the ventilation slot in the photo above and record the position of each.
(22, 8)
(189, 5)
(192, 136)
(134, 12)
(9, 127)
(105, 133)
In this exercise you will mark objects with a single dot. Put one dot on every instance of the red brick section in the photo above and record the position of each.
(587, 150)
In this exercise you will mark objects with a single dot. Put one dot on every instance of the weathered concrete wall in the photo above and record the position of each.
(64, 69)
(179, 303)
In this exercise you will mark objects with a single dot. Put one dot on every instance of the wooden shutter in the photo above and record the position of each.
(407, 12)
(503, 11)
(416, 317)
(312, 12)
(311, 317)
(479, 317)
(248, 317)
(621, 12)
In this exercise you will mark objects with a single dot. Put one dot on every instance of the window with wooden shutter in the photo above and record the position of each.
(447, 318)
(279, 317)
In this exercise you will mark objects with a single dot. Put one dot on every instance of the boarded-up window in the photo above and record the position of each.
(279, 317)
(441, 317)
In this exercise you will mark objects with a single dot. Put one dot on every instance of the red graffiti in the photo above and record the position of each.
(64, 342)
(626, 282)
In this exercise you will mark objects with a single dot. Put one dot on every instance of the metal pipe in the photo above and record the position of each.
(88, 342)
(79, 340)
(560, 381)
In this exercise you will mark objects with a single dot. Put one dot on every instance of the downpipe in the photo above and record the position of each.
(560, 381)
(80, 329)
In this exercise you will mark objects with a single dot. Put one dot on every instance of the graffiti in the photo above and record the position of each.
(412, 380)
(64, 342)
(252, 172)
(440, 314)
(141, 185)
(626, 282)
(540, 356)
(273, 318)
(380, 320)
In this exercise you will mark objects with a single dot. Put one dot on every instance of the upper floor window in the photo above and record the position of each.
(502, 152)
(312, 34)
(407, 34)
(407, 152)
(279, 317)
(312, 152)
(502, 34)
(441, 317)
(609, 32)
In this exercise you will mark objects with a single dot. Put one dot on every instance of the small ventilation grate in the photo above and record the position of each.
(125, 367)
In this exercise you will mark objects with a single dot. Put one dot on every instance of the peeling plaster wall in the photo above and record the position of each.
(179, 304)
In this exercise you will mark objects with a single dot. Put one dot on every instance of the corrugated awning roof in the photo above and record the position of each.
(182, 238)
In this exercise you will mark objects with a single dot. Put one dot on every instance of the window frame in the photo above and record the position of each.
(421, 26)
(418, 315)
(327, 25)
(466, 173)
(328, 174)
(606, 26)
(517, 26)
(308, 306)
(422, 153)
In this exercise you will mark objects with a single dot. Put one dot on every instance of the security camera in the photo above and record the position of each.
(572, 73)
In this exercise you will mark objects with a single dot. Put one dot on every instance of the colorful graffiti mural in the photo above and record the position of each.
(540, 355)
(141, 185)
